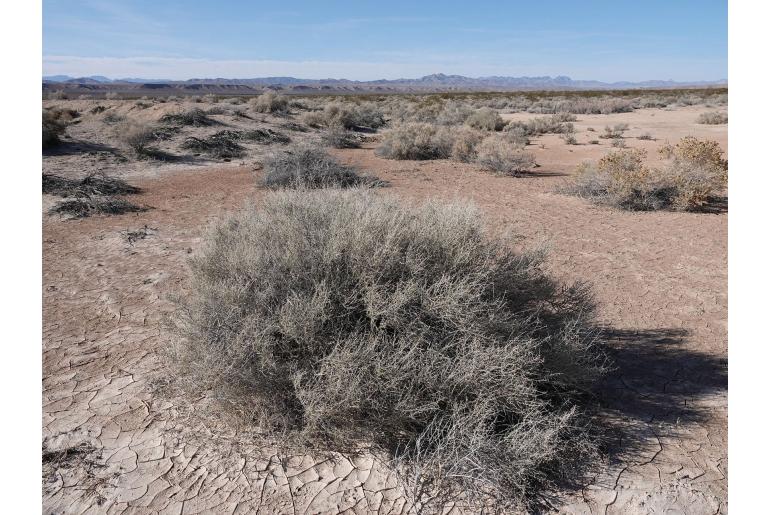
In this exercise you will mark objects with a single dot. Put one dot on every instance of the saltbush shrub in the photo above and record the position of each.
(498, 154)
(693, 174)
(341, 318)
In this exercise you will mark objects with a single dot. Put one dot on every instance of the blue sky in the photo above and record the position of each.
(363, 40)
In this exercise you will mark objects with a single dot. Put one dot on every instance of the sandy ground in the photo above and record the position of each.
(117, 439)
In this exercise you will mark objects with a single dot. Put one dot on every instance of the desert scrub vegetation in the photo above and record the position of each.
(554, 124)
(340, 318)
(223, 145)
(338, 136)
(194, 118)
(94, 194)
(92, 184)
(309, 167)
(138, 137)
(498, 154)
(614, 132)
(416, 140)
(53, 128)
(485, 119)
(88, 206)
(712, 118)
(270, 102)
(693, 174)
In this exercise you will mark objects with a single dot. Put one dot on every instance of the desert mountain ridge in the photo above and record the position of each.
(437, 82)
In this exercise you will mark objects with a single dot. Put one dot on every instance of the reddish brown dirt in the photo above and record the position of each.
(660, 279)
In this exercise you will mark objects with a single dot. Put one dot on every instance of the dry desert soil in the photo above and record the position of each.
(119, 438)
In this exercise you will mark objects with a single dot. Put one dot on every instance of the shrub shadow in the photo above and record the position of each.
(660, 388)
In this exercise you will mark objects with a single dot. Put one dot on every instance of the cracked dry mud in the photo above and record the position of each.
(114, 444)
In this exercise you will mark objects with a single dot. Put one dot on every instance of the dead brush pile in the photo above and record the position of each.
(85, 207)
(339, 317)
(94, 194)
(194, 118)
(93, 184)
(223, 145)
(691, 178)
(309, 167)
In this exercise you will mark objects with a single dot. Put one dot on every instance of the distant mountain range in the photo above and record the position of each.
(435, 82)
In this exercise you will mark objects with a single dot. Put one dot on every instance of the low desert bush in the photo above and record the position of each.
(338, 136)
(496, 153)
(645, 137)
(53, 128)
(194, 117)
(713, 118)
(342, 318)
(416, 140)
(112, 118)
(614, 132)
(465, 141)
(308, 167)
(270, 102)
(554, 124)
(619, 143)
(315, 119)
(485, 119)
(138, 138)
(223, 145)
(693, 174)
(517, 135)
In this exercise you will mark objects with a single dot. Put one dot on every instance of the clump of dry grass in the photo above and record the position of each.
(270, 102)
(337, 318)
(308, 167)
(485, 119)
(712, 118)
(496, 153)
(693, 174)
